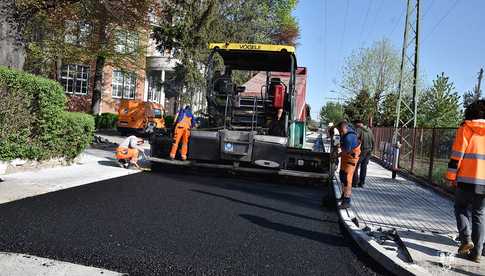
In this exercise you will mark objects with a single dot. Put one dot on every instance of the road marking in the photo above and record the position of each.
(14, 264)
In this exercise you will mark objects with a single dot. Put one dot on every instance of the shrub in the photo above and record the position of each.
(106, 121)
(32, 117)
(77, 133)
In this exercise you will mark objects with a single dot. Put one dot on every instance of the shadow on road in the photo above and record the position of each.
(263, 207)
(308, 234)
(261, 185)
(109, 163)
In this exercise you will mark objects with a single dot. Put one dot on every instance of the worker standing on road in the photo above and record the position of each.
(366, 139)
(127, 152)
(466, 171)
(349, 156)
(183, 122)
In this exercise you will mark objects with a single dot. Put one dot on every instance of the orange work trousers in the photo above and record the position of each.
(181, 133)
(348, 165)
(127, 153)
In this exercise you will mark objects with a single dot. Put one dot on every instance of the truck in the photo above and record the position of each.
(139, 117)
(258, 80)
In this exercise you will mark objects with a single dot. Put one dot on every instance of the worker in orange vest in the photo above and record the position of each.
(127, 152)
(466, 172)
(349, 157)
(184, 121)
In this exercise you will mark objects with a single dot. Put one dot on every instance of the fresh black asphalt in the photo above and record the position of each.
(185, 223)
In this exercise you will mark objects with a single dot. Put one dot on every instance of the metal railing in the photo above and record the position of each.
(426, 156)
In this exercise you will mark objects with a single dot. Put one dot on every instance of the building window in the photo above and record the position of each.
(124, 84)
(77, 33)
(126, 42)
(154, 86)
(75, 79)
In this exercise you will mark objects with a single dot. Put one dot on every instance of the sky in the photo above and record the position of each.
(452, 39)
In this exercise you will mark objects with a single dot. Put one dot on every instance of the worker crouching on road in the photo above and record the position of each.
(349, 156)
(128, 151)
(183, 122)
(466, 172)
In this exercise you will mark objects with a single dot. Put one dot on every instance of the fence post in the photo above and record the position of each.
(431, 158)
(413, 152)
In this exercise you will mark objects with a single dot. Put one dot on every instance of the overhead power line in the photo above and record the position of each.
(344, 29)
(428, 9)
(376, 17)
(365, 21)
(441, 19)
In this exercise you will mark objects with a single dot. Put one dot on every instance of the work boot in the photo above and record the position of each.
(473, 257)
(465, 248)
(361, 184)
(345, 203)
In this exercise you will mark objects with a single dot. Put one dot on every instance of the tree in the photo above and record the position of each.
(89, 30)
(475, 95)
(439, 105)
(471, 96)
(14, 15)
(188, 26)
(331, 112)
(375, 70)
(387, 110)
(359, 107)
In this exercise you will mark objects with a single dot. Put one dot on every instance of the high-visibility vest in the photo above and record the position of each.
(467, 162)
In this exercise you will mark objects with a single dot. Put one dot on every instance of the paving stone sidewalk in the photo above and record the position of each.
(423, 219)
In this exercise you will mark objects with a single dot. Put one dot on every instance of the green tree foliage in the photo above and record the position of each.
(439, 105)
(387, 110)
(471, 96)
(186, 27)
(376, 70)
(331, 112)
(474, 95)
(88, 30)
(360, 107)
(14, 16)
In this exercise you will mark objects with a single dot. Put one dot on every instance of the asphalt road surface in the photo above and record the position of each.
(183, 223)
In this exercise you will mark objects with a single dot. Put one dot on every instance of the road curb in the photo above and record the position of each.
(378, 253)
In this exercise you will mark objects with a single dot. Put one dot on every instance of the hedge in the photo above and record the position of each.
(106, 121)
(78, 132)
(33, 123)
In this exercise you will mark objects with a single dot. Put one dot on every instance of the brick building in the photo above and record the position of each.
(147, 80)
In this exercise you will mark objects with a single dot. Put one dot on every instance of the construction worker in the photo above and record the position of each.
(127, 152)
(466, 172)
(184, 121)
(277, 127)
(366, 139)
(349, 156)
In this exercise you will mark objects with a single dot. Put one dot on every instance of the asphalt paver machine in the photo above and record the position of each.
(246, 85)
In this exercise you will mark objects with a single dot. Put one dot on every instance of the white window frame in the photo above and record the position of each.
(127, 42)
(123, 84)
(80, 76)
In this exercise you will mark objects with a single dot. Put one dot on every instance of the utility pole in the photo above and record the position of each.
(480, 76)
(407, 94)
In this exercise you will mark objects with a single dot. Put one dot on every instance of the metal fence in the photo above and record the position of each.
(426, 156)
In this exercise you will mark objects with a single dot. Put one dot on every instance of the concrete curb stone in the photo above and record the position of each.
(391, 263)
